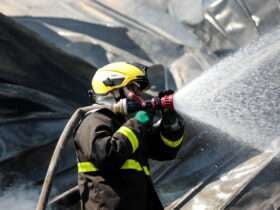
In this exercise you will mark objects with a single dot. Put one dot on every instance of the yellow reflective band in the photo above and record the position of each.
(128, 164)
(146, 170)
(135, 165)
(130, 136)
(171, 143)
(132, 164)
(86, 167)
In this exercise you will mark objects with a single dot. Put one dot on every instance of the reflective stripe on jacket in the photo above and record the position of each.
(129, 164)
(113, 164)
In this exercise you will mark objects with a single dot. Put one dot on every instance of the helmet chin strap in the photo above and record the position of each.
(119, 94)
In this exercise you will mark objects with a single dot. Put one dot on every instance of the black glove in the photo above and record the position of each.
(172, 120)
(169, 117)
(165, 93)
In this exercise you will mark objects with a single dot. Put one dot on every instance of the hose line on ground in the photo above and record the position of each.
(66, 134)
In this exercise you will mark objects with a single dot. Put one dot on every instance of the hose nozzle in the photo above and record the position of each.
(136, 103)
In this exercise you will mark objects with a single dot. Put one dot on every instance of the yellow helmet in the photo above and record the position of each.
(118, 75)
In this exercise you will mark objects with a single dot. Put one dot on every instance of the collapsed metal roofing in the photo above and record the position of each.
(50, 50)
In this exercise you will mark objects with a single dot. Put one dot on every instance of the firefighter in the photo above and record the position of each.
(113, 149)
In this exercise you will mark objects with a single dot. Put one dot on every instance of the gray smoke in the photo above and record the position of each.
(19, 198)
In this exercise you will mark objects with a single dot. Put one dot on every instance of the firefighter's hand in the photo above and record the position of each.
(165, 93)
(172, 119)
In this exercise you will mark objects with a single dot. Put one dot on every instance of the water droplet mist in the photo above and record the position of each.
(241, 95)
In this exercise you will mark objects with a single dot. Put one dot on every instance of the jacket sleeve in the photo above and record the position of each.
(106, 146)
(165, 141)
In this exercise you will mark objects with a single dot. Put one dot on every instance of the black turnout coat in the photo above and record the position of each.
(113, 157)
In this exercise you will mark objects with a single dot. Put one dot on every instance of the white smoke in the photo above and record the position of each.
(19, 198)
